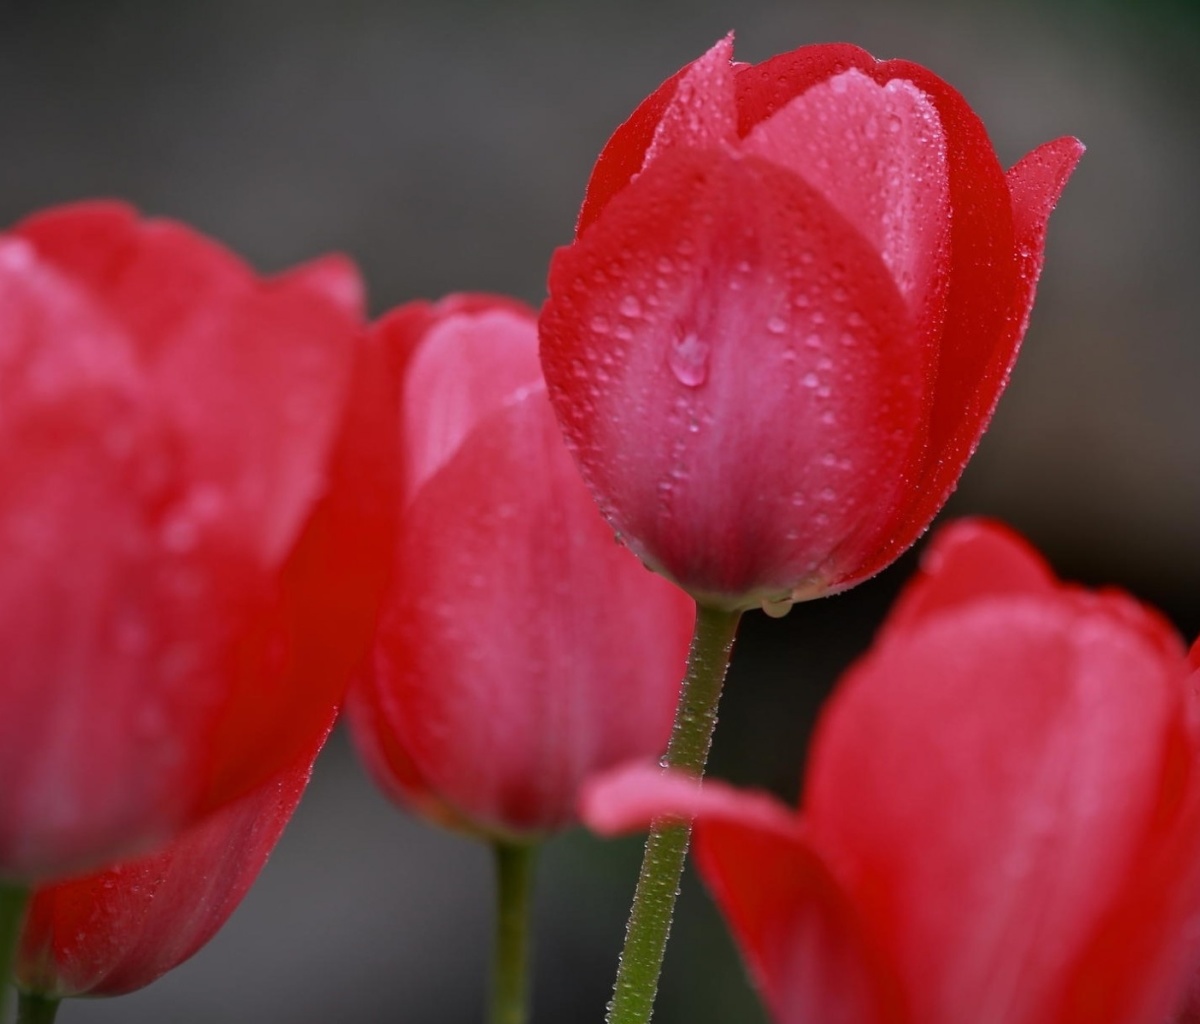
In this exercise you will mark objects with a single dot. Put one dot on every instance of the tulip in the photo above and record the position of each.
(520, 649)
(119, 929)
(195, 505)
(795, 293)
(1000, 817)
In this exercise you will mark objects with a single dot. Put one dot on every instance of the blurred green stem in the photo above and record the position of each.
(33, 1009)
(13, 901)
(511, 957)
(666, 847)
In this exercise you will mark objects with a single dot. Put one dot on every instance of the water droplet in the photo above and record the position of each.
(811, 380)
(688, 358)
(777, 325)
(630, 307)
(777, 607)
(600, 325)
(813, 341)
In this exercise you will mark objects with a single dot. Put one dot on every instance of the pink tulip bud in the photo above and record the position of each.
(521, 648)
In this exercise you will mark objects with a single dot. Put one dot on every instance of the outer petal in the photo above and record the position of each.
(521, 649)
(120, 929)
(741, 416)
(985, 785)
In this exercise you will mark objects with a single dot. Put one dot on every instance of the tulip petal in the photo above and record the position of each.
(979, 342)
(701, 114)
(878, 155)
(631, 797)
(982, 848)
(119, 929)
(468, 615)
(968, 560)
(1036, 182)
(468, 365)
(763, 89)
(692, 354)
(624, 155)
(797, 928)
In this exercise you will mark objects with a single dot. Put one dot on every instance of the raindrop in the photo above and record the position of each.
(600, 325)
(777, 325)
(811, 380)
(777, 607)
(813, 341)
(630, 307)
(688, 359)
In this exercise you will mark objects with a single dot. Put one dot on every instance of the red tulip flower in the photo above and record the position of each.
(125, 926)
(194, 505)
(1000, 820)
(795, 294)
(520, 648)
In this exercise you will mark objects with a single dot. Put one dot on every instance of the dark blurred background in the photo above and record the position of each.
(445, 146)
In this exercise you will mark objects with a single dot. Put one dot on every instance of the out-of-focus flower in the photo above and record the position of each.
(795, 294)
(121, 928)
(1000, 819)
(520, 649)
(196, 499)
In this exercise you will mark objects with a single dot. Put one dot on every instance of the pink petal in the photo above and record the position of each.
(690, 334)
(878, 155)
(763, 89)
(467, 366)
(631, 797)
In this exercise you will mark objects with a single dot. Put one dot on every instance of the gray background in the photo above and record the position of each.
(446, 148)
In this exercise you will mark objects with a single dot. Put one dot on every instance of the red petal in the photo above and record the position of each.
(1036, 182)
(119, 929)
(522, 649)
(734, 367)
(979, 342)
(624, 154)
(968, 560)
(985, 784)
(799, 932)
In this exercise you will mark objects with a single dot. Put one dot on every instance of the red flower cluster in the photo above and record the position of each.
(795, 294)
(1000, 819)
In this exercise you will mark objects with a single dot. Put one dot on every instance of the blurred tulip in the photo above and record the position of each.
(795, 294)
(197, 495)
(123, 927)
(1000, 819)
(520, 649)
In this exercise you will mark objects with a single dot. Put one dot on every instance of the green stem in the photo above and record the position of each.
(13, 901)
(666, 847)
(32, 1009)
(510, 963)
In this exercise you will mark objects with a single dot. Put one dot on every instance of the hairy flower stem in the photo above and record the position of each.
(33, 1009)
(510, 963)
(13, 901)
(666, 847)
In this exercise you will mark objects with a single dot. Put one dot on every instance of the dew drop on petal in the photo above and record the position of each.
(688, 358)
(600, 325)
(630, 307)
(777, 607)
